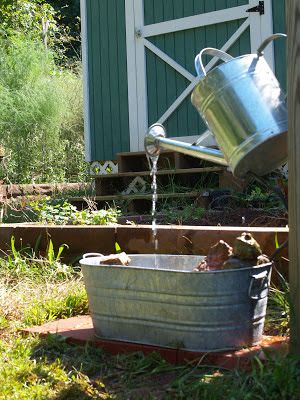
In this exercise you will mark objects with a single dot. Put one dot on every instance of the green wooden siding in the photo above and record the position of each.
(280, 44)
(164, 84)
(107, 78)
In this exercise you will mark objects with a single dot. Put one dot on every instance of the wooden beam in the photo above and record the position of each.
(177, 171)
(137, 196)
(293, 62)
(195, 21)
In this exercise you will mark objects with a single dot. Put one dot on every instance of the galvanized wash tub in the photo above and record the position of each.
(172, 306)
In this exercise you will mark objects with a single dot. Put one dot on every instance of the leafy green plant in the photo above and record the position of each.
(55, 23)
(61, 212)
(56, 212)
(177, 213)
(51, 256)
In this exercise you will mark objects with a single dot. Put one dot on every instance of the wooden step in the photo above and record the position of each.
(168, 181)
(139, 196)
(138, 161)
(141, 203)
(162, 172)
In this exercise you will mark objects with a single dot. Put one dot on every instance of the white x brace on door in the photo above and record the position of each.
(137, 37)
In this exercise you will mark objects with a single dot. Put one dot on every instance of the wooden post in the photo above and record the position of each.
(293, 63)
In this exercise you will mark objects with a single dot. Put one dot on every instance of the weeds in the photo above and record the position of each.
(41, 121)
(180, 211)
(55, 301)
(25, 264)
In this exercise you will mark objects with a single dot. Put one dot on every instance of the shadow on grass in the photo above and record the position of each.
(94, 374)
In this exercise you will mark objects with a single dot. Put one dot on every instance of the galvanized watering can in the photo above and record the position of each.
(243, 106)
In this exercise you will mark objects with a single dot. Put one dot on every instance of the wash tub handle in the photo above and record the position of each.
(258, 283)
(87, 255)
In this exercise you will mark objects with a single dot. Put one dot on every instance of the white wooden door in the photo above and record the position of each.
(138, 40)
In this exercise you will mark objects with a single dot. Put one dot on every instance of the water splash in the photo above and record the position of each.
(154, 161)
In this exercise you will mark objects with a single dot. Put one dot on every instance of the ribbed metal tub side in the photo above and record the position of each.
(173, 307)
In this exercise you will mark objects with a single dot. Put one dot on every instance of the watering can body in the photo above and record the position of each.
(244, 108)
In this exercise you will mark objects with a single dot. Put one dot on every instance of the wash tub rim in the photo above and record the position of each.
(85, 262)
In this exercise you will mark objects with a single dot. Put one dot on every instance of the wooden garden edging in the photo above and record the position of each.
(172, 239)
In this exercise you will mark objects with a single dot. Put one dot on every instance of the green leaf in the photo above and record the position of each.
(276, 241)
(50, 251)
(118, 248)
(60, 250)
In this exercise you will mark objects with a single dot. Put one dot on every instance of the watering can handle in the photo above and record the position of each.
(226, 57)
(260, 50)
(212, 52)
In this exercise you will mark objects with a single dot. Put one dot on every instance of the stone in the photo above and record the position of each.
(246, 247)
(236, 263)
(115, 259)
(217, 255)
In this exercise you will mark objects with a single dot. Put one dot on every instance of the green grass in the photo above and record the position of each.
(33, 368)
(34, 291)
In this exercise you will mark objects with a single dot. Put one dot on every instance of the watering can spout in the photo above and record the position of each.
(156, 139)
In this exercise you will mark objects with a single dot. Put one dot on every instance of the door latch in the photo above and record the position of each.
(259, 8)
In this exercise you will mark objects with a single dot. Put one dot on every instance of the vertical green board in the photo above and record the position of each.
(107, 78)
(164, 84)
(279, 26)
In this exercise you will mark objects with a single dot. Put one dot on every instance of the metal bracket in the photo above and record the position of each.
(259, 8)
(138, 33)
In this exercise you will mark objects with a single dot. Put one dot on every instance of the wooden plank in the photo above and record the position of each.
(280, 45)
(190, 52)
(93, 81)
(200, 43)
(107, 125)
(113, 81)
(131, 77)
(85, 77)
(293, 32)
(104, 97)
(163, 56)
(141, 196)
(170, 44)
(122, 77)
(139, 153)
(141, 77)
(151, 70)
(209, 18)
(162, 172)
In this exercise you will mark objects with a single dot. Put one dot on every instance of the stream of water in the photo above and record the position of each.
(153, 172)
